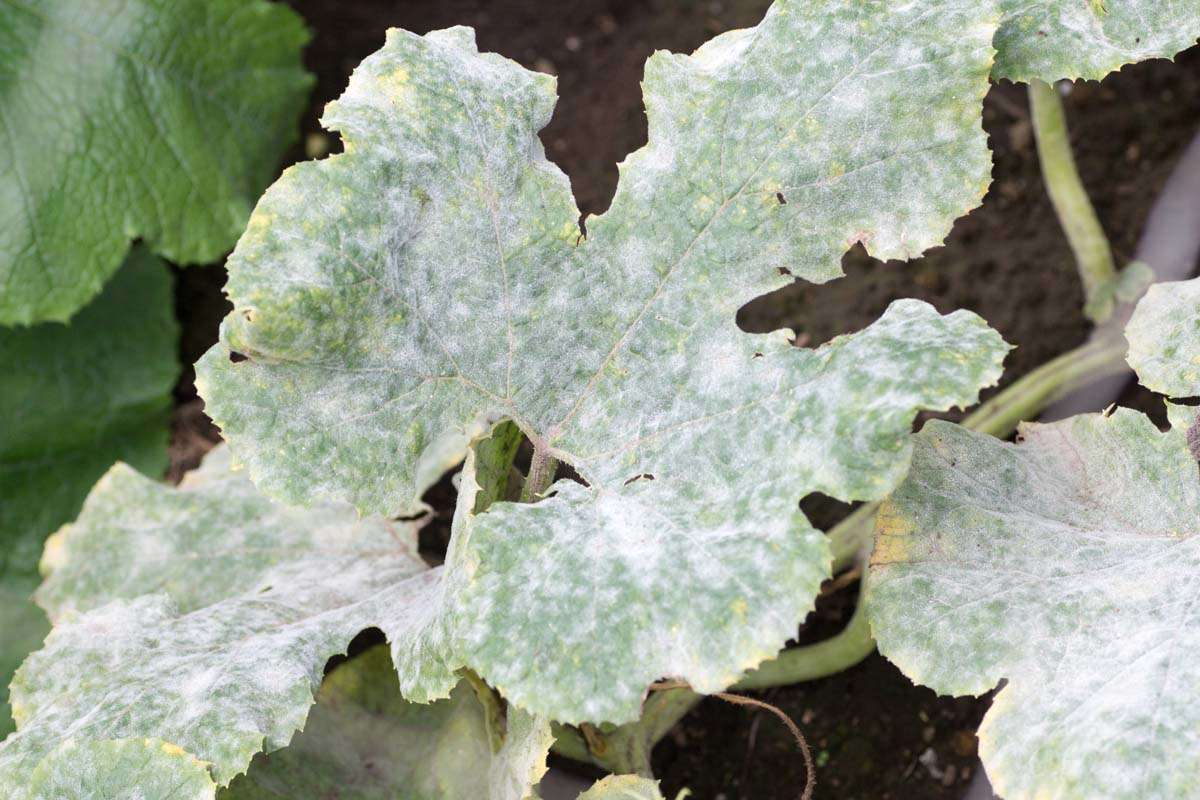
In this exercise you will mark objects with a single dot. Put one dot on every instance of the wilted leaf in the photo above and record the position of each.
(363, 741)
(395, 300)
(1164, 338)
(201, 616)
(152, 119)
(1053, 39)
(74, 400)
(1069, 566)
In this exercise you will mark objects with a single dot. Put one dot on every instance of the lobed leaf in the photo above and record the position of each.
(363, 741)
(200, 616)
(74, 400)
(158, 119)
(395, 301)
(1053, 39)
(1067, 565)
(1164, 338)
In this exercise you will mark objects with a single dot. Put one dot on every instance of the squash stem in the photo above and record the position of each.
(541, 475)
(1093, 255)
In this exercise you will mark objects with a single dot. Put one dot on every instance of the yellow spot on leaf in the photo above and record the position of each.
(172, 749)
(739, 607)
(892, 536)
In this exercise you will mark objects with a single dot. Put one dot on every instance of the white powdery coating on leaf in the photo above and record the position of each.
(396, 300)
(202, 616)
(1164, 338)
(133, 769)
(623, 787)
(1053, 39)
(1068, 565)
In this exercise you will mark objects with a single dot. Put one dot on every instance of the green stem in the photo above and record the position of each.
(999, 416)
(1093, 256)
(541, 474)
(820, 660)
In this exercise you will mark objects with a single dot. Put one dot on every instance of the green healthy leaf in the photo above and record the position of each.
(623, 787)
(363, 741)
(1053, 39)
(124, 768)
(73, 400)
(153, 119)
(201, 616)
(394, 301)
(1069, 566)
(1164, 338)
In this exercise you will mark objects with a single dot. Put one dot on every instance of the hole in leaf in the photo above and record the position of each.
(757, 355)
(364, 641)
(237, 358)
(567, 472)
(824, 511)
(782, 200)
(645, 476)
(434, 536)
(784, 271)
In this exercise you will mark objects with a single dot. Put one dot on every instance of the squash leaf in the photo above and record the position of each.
(363, 741)
(394, 301)
(1068, 565)
(75, 399)
(141, 768)
(1053, 39)
(1164, 338)
(154, 119)
(623, 787)
(201, 616)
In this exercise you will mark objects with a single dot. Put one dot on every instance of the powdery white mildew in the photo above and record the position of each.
(152, 119)
(623, 787)
(1164, 338)
(140, 769)
(363, 741)
(395, 300)
(74, 400)
(1069, 566)
(201, 616)
(1053, 39)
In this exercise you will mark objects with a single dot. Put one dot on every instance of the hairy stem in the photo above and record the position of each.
(1093, 256)
(541, 475)
(999, 416)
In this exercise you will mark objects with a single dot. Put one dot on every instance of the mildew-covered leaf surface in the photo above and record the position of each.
(1164, 338)
(74, 399)
(363, 741)
(393, 301)
(201, 616)
(152, 119)
(623, 787)
(120, 768)
(1053, 39)
(1069, 566)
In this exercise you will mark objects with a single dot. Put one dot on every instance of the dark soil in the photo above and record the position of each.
(874, 734)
